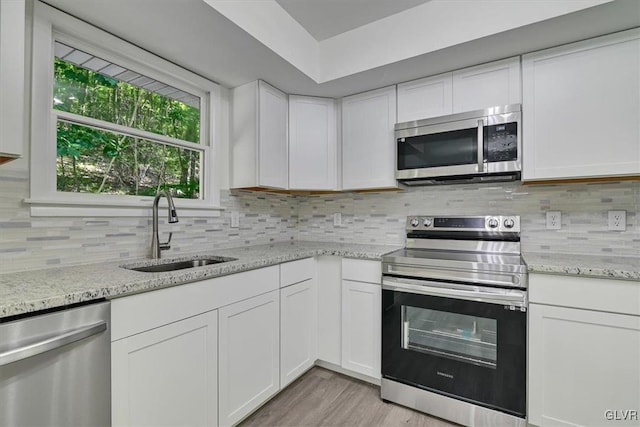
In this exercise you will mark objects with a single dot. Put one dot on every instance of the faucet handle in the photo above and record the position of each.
(166, 245)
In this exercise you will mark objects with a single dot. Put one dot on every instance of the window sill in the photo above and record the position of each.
(128, 208)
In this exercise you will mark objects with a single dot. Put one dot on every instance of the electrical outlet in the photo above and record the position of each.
(235, 219)
(617, 220)
(554, 220)
(337, 219)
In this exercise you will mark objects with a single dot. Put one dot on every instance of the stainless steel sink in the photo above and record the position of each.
(181, 265)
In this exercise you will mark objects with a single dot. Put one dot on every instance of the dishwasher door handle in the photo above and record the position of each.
(39, 347)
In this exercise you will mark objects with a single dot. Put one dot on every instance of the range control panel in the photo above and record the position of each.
(495, 223)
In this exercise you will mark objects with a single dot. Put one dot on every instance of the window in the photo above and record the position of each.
(113, 124)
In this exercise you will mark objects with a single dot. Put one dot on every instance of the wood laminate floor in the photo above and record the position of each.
(325, 398)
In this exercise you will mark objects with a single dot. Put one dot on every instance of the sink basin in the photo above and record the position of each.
(181, 265)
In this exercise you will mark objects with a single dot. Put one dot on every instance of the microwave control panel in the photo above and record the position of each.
(501, 142)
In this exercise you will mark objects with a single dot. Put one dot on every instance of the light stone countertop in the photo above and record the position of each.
(35, 290)
(603, 266)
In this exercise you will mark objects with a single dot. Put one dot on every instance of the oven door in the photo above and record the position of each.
(459, 340)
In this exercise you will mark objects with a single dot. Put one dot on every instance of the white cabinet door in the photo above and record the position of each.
(368, 145)
(259, 133)
(583, 365)
(298, 330)
(167, 376)
(329, 288)
(12, 90)
(272, 135)
(313, 149)
(487, 85)
(249, 355)
(581, 105)
(424, 98)
(361, 327)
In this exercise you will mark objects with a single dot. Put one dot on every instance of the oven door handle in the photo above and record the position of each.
(509, 297)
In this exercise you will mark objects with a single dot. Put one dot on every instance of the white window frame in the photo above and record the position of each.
(49, 25)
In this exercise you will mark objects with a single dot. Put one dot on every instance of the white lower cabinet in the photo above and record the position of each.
(361, 319)
(329, 309)
(168, 375)
(249, 356)
(584, 362)
(298, 330)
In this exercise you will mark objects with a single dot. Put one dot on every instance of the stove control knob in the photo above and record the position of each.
(493, 223)
(509, 223)
(414, 222)
(427, 222)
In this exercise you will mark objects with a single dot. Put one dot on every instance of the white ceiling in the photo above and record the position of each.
(326, 18)
(196, 36)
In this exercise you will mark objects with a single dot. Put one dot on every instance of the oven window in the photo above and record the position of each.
(469, 339)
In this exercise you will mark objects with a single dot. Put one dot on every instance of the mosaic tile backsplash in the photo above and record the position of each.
(380, 217)
(31, 243)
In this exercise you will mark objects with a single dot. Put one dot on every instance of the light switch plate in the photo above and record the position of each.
(617, 220)
(337, 219)
(554, 220)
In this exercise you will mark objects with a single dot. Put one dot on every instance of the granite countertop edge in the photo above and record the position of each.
(595, 266)
(64, 286)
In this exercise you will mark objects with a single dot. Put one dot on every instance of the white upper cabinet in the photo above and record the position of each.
(487, 85)
(428, 97)
(313, 149)
(474, 88)
(368, 145)
(581, 109)
(12, 90)
(259, 136)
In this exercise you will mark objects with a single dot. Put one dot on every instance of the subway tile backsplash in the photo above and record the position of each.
(31, 243)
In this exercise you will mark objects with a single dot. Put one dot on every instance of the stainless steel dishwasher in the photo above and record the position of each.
(55, 368)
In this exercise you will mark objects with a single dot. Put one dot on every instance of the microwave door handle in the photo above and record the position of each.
(480, 146)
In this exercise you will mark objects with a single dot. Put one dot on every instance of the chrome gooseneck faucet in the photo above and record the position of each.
(156, 246)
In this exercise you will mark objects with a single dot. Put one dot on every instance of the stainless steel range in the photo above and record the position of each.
(454, 320)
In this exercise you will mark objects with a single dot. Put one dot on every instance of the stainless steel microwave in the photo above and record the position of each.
(476, 146)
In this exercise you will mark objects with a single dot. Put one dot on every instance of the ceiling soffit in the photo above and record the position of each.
(423, 29)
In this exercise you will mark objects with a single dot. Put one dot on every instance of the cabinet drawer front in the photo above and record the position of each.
(616, 296)
(137, 313)
(296, 271)
(362, 270)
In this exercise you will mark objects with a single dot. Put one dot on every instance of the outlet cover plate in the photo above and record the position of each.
(337, 219)
(235, 219)
(617, 220)
(554, 220)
